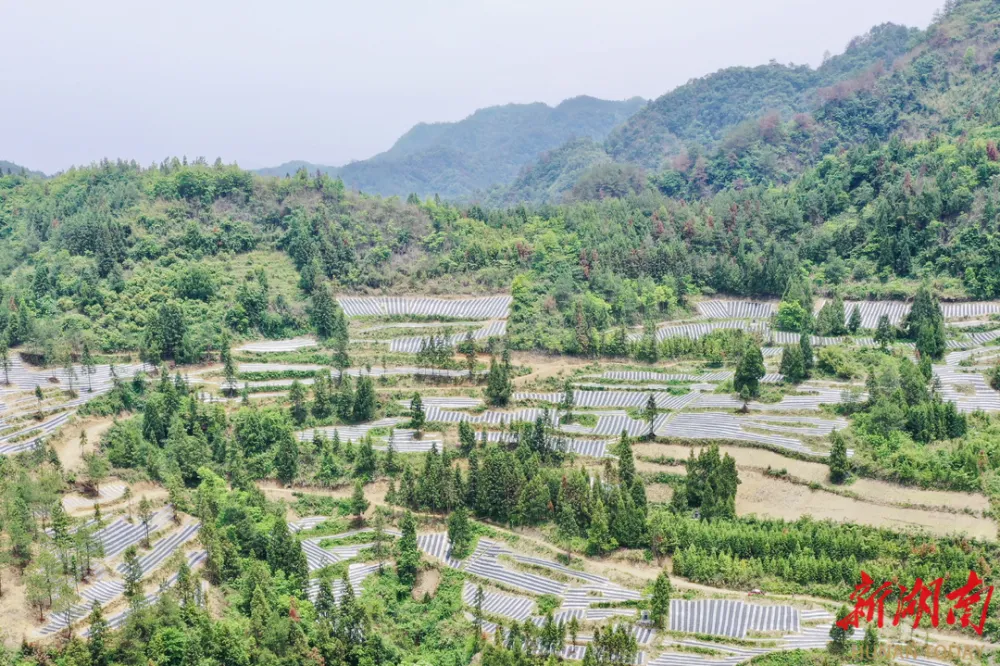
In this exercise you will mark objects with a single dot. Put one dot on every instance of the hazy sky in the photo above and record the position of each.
(264, 82)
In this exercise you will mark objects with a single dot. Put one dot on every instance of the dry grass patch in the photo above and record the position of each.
(870, 490)
(765, 496)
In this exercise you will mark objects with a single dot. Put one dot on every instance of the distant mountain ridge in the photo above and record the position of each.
(12, 168)
(457, 159)
(585, 146)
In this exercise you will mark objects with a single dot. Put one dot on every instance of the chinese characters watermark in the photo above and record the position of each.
(970, 603)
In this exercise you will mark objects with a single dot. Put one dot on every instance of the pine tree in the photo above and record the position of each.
(98, 638)
(884, 333)
(87, 361)
(297, 396)
(326, 602)
(390, 464)
(808, 360)
(567, 401)
(358, 502)
(324, 314)
(5, 363)
(365, 460)
(839, 636)
(365, 400)
(649, 415)
(924, 324)
(260, 615)
(574, 629)
(132, 577)
(286, 459)
(626, 461)
(498, 382)
(345, 399)
(830, 320)
(145, 515)
(599, 540)
(466, 437)
(417, 415)
(869, 644)
(407, 554)
(792, 365)
(854, 323)
(60, 531)
(839, 465)
(459, 533)
(566, 520)
(472, 481)
(660, 602)
(468, 349)
(749, 371)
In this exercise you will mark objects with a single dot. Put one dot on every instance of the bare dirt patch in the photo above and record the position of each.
(67, 444)
(374, 492)
(544, 366)
(17, 619)
(766, 496)
(427, 583)
(867, 489)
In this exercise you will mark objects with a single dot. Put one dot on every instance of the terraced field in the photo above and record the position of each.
(24, 421)
(693, 406)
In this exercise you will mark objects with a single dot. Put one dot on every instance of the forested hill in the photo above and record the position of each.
(11, 168)
(703, 114)
(891, 182)
(454, 160)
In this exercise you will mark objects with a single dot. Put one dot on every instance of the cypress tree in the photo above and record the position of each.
(358, 502)
(839, 465)
(884, 332)
(660, 601)
(417, 416)
(458, 532)
(599, 539)
(626, 461)
(925, 324)
(649, 415)
(345, 400)
(297, 396)
(793, 366)
(808, 360)
(749, 371)
(98, 638)
(838, 636)
(365, 400)
(286, 459)
(854, 323)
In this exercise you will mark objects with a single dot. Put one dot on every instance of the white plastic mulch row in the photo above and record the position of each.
(488, 307)
(731, 618)
(413, 344)
(106, 493)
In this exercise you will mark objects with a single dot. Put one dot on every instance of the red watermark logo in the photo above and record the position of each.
(918, 601)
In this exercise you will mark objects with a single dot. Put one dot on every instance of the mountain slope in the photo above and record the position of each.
(491, 146)
(705, 111)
